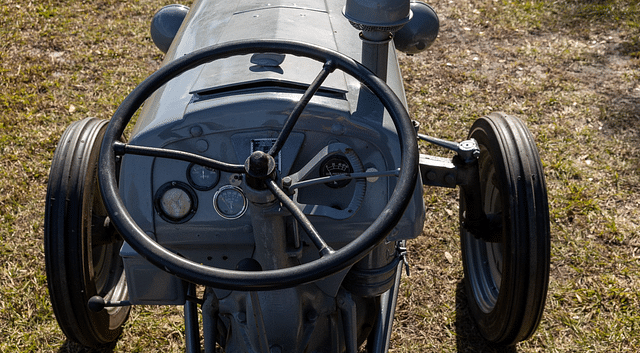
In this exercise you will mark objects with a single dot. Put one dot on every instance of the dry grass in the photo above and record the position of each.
(570, 68)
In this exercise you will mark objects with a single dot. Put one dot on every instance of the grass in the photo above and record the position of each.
(569, 68)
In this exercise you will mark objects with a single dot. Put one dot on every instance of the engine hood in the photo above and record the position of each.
(319, 23)
(303, 21)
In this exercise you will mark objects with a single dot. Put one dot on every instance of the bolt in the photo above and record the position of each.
(312, 316)
(286, 182)
(450, 179)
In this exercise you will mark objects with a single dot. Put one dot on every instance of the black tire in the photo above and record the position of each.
(506, 281)
(81, 248)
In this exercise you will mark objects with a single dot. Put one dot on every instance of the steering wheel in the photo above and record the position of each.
(259, 169)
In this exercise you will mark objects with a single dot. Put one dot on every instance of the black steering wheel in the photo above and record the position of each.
(259, 169)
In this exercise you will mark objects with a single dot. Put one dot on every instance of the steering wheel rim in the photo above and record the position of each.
(271, 279)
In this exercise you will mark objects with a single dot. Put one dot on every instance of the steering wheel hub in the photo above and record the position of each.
(259, 166)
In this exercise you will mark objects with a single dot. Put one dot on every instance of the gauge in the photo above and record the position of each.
(230, 202)
(176, 202)
(336, 165)
(201, 177)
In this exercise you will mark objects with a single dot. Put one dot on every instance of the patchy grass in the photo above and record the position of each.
(60, 61)
(569, 68)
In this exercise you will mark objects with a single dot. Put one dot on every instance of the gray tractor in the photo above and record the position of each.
(272, 179)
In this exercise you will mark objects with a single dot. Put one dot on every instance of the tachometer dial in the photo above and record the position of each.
(201, 177)
(336, 165)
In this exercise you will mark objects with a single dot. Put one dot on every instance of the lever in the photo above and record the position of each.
(97, 303)
(467, 150)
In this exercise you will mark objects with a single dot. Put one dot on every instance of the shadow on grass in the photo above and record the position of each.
(622, 111)
(467, 337)
(72, 347)
(578, 13)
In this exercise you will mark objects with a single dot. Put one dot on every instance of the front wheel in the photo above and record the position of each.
(506, 281)
(82, 249)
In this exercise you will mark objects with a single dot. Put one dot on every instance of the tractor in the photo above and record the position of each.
(268, 178)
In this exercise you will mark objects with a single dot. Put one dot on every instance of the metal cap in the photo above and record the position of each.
(420, 32)
(165, 25)
(377, 15)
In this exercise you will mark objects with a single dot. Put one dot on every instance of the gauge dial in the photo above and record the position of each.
(201, 177)
(336, 165)
(230, 202)
(175, 202)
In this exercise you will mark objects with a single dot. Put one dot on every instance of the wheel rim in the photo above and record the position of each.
(106, 269)
(485, 259)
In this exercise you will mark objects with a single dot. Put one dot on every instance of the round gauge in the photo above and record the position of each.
(336, 165)
(230, 202)
(201, 177)
(176, 202)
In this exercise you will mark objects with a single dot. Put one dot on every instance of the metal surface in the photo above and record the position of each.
(450, 172)
(349, 320)
(305, 173)
(484, 258)
(377, 20)
(381, 335)
(286, 74)
(192, 328)
(462, 171)
(210, 311)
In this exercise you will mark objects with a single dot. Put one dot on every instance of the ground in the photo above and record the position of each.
(569, 68)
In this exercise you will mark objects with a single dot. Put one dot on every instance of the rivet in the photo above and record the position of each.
(195, 131)
(202, 145)
(337, 129)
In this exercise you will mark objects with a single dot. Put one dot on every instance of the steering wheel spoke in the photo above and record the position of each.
(328, 67)
(120, 148)
(320, 244)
